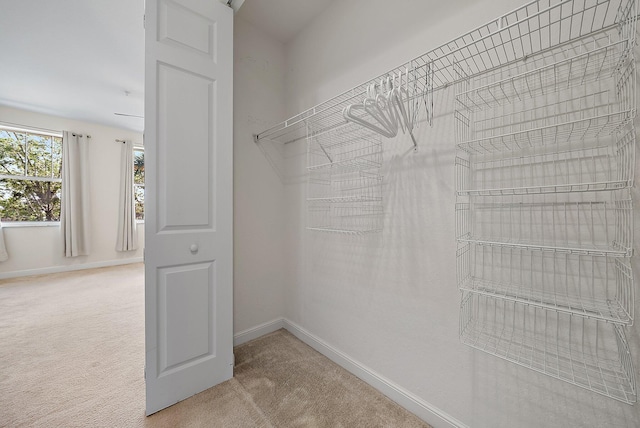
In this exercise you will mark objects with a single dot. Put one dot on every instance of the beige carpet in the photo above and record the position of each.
(72, 355)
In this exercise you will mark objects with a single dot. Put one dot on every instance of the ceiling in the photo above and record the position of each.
(74, 58)
(282, 19)
(85, 59)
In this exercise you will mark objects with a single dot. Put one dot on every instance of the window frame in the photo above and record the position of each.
(26, 177)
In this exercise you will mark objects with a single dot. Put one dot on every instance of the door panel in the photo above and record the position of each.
(191, 286)
(188, 218)
(193, 206)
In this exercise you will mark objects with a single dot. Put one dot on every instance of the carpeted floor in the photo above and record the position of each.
(72, 355)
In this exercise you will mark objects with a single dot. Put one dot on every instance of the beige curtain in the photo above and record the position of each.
(74, 216)
(127, 233)
(4, 256)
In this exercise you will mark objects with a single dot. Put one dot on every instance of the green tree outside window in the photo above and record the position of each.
(138, 182)
(30, 176)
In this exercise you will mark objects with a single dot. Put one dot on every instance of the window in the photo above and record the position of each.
(30, 175)
(138, 182)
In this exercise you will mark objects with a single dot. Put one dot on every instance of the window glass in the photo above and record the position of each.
(39, 155)
(30, 200)
(138, 180)
(12, 154)
(30, 181)
(138, 166)
(56, 157)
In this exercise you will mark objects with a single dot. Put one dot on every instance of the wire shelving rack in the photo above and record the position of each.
(574, 167)
(585, 225)
(583, 351)
(544, 111)
(350, 218)
(344, 184)
(599, 287)
(544, 217)
(350, 148)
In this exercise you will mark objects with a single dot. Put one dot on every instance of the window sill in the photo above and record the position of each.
(10, 224)
(139, 221)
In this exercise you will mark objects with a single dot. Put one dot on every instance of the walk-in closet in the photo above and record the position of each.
(469, 212)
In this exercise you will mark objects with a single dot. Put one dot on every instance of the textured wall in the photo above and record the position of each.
(258, 190)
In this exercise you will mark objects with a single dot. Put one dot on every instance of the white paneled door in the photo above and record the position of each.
(188, 206)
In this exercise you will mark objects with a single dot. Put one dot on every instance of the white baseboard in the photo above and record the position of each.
(404, 398)
(68, 268)
(257, 331)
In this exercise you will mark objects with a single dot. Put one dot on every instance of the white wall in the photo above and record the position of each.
(258, 191)
(390, 301)
(35, 250)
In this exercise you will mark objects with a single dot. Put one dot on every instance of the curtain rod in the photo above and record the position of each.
(80, 135)
(135, 146)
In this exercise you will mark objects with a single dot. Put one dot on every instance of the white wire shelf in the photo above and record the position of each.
(528, 30)
(594, 251)
(349, 147)
(574, 168)
(585, 352)
(347, 187)
(346, 199)
(577, 113)
(329, 229)
(593, 287)
(579, 63)
(607, 310)
(582, 129)
(591, 227)
(345, 217)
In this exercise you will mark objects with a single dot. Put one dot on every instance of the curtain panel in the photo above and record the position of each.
(4, 256)
(127, 239)
(74, 216)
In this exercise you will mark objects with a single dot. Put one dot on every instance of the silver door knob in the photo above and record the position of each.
(194, 248)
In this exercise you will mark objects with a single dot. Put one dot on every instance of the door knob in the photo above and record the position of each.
(194, 248)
